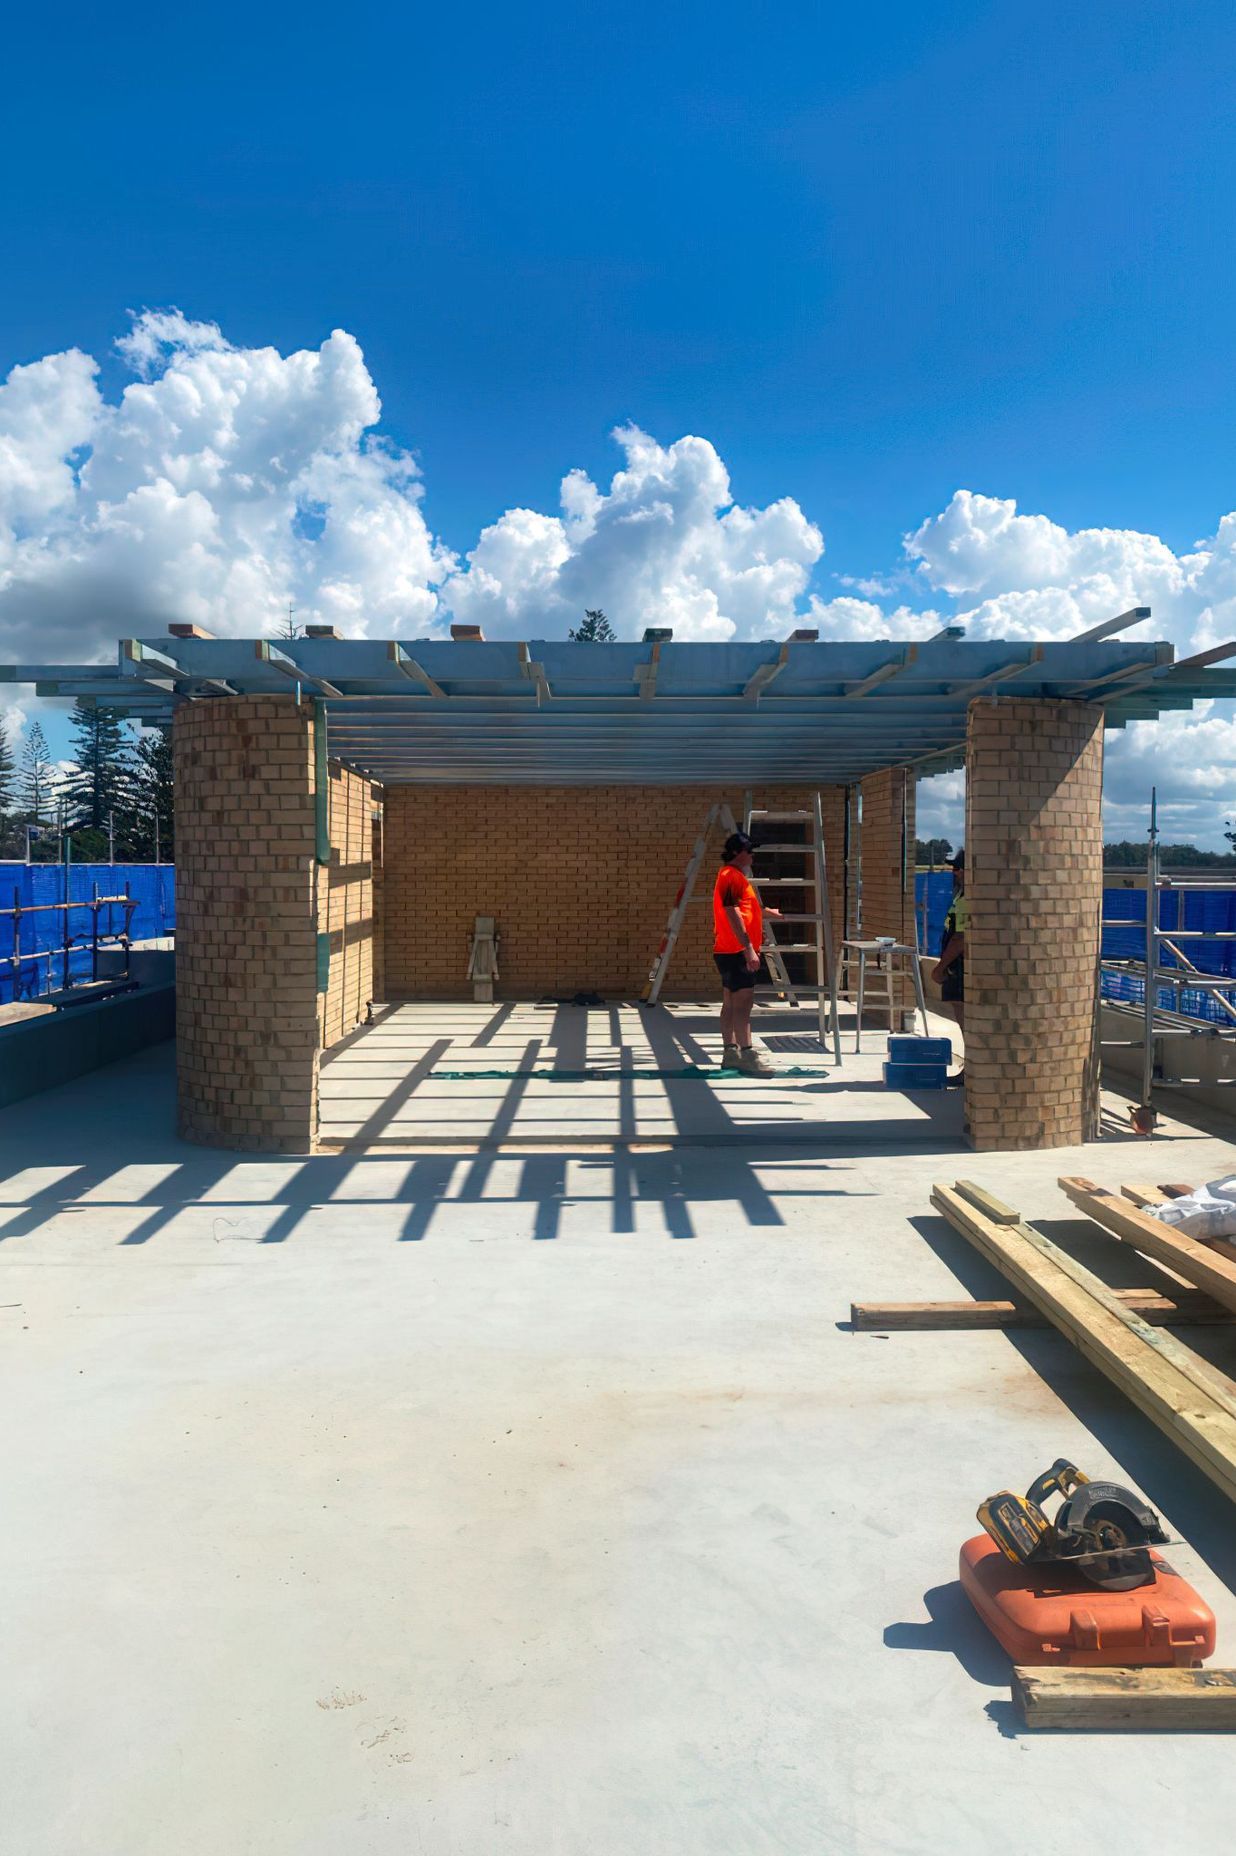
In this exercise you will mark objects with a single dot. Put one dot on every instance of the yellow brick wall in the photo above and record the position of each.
(580, 879)
(1034, 878)
(888, 864)
(246, 971)
(346, 904)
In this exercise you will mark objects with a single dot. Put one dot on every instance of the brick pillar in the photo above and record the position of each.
(246, 955)
(887, 852)
(377, 853)
(1034, 878)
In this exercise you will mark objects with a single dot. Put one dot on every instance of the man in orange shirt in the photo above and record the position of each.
(738, 936)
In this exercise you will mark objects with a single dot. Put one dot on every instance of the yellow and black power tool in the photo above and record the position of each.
(1102, 1530)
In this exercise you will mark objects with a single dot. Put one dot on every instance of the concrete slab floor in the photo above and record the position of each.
(537, 1502)
(424, 1074)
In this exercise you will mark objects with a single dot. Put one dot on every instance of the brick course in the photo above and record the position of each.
(888, 866)
(580, 879)
(1034, 877)
(346, 904)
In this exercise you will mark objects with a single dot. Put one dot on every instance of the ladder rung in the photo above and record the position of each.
(783, 818)
(804, 850)
(784, 882)
(795, 947)
(783, 917)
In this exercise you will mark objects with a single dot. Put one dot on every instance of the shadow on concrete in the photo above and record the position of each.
(697, 1112)
(75, 1152)
(491, 1030)
(956, 1628)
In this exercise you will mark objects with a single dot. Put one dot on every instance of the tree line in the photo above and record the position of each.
(114, 791)
(1125, 854)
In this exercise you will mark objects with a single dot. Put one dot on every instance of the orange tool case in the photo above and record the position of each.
(1049, 1615)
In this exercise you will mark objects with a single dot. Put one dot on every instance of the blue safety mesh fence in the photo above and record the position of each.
(1210, 912)
(39, 938)
(933, 891)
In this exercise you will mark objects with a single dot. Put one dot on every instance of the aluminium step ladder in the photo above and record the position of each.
(718, 814)
(820, 943)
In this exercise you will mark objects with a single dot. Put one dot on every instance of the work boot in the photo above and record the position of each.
(753, 1062)
(729, 1057)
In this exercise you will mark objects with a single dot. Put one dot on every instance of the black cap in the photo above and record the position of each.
(736, 842)
(959, 862)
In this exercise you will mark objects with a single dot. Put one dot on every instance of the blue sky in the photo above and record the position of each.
(872, 257)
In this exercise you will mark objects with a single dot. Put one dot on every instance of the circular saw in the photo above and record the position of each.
(1101, 1529)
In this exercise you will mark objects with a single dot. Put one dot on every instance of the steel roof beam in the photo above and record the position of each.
(1165, 671)
(408, 667)
(1142, 671)
(760, 678)
(266, 653)
(582, 728)
(51, 673)
(883, 675)
(135, 694)
(535, 673)
(646, 674)
(141, 661)
(1004, 673)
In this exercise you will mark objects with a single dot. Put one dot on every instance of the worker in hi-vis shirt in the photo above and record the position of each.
(738, 936)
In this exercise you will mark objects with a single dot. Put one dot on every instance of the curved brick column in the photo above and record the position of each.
(1034, 877)
(246, 959)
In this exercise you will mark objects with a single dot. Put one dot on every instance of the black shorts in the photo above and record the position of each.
(953, 985)
(736, 976)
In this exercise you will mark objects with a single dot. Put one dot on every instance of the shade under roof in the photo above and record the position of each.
(557, 712)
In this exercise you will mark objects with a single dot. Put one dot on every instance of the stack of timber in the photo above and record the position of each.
(1190, 1401)
(1210, 1265)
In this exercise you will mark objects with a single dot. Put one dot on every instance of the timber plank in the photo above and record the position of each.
(1188, 1309)
(987, 1202)
(1163, 1195)
(1198, 1263)
(1144, 1363)
(1142, 1196)
(1175, 1699)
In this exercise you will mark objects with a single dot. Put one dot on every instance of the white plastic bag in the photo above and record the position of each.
(1208, 1212)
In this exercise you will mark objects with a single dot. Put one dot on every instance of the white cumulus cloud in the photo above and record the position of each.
(665, 544)
(1024, 576)
(223, 483)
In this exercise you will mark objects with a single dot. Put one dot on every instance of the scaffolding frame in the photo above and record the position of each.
(1159, 1021)
(68, 943)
